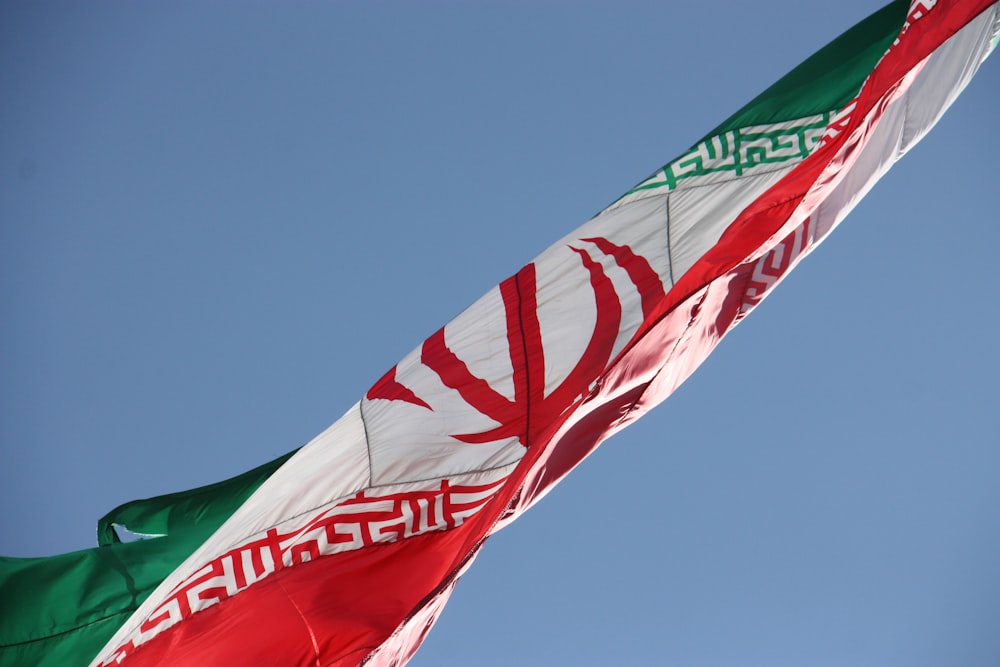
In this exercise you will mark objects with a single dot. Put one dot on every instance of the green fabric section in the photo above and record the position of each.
(810, 94)
(61, 610)
(828, 79)
(164, 515)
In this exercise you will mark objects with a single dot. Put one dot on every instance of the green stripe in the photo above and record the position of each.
(167, 515)
(824, 83)
(61, 610)
(828, 79)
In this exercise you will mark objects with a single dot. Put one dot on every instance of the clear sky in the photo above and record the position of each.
(221, 222)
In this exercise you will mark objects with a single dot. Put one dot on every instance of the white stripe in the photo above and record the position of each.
(944, 75)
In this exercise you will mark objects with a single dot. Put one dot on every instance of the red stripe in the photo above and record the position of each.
(331, 611)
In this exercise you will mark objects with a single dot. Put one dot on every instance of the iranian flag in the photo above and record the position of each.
(345, 551)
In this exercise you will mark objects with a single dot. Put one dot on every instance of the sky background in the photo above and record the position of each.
(221, 222)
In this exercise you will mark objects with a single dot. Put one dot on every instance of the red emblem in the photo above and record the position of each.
(531, 409)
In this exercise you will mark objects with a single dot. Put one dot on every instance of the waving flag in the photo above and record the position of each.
(345, 551)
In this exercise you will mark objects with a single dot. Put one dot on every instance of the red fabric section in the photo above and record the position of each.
(329, 612)
(643, 377)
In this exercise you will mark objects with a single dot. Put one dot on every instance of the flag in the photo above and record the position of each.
(346, 551)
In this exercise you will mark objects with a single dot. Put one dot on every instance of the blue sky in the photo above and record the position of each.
(221, 222)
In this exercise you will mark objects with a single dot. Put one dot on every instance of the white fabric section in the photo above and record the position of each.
(567, 313)
(639, 225)
(305, 481)
(945, 73)
(995, 40)
(567, 310)
(699, 216)
(410, 442)
(479, 337)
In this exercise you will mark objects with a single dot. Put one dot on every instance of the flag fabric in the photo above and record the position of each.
(345, 551)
